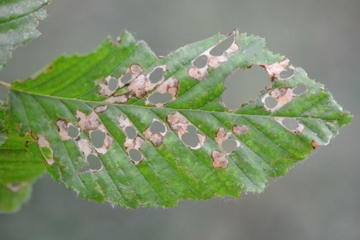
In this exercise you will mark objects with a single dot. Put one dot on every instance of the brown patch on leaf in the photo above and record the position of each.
(157, 138)
(104, 87)
(138, 86)
(219, 159)
(222, 136)
(314, 144)
(239, 130)
(44, 145)
(276, 68)
(63, 128)
(101, 109)
(281, 95)
(86, 149)
(91, 123)
(179, 123)
(131, 143)
(169, 86)
(135, 70)
(213, 61)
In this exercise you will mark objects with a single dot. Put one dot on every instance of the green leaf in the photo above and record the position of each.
(21, 163)
(78, 97)
(18, 22)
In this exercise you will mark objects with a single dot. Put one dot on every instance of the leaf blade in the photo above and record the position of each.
(170, 169)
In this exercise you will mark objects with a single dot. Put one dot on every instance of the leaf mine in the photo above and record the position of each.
(219, 159)
(200, 71)
(170, 86)
(179, 124)
(155, 138)
(276, 69)
(282, 95)
(101, 109)
(91, 123)
(222, 136)
(239, 130)
(131, 143)
(87, 150)
(45, 149)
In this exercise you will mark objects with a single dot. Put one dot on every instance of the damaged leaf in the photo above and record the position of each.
(18, 22)
(109, 92)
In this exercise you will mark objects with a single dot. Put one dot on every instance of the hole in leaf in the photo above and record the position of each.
(191, 139)
(73, 131)
(229, 145)
(290, 123)
(94, 163)
(126, 78)
(157, 127)
(200, 61)
(270, 102)
(222, 47)
(287, 74)
(156, 75)
(157, 98)
(97, 138)
(113, 84)
(300, 89)
(243, 86)
(135, 155)
(130, 132)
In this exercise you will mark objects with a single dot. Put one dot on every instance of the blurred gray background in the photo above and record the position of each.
(318, 199)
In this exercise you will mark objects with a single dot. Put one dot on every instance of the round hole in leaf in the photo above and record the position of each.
(113, 84)
(94, 163)
(229, 145)
(97, 138)
(191, 139)
(270, 102)
(161, 98)
(130, 132)
(73, 131)
(201, 61)
(125, 78)
(300, 89)
(290, 123)
(289, 73)
(156, 75)
(135, 155)
(157, 127)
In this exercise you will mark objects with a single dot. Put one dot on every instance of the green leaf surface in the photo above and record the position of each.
(76, 97)
(21, 163)
(18, 22)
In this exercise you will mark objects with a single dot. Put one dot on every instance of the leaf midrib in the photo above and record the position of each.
(271, 115)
